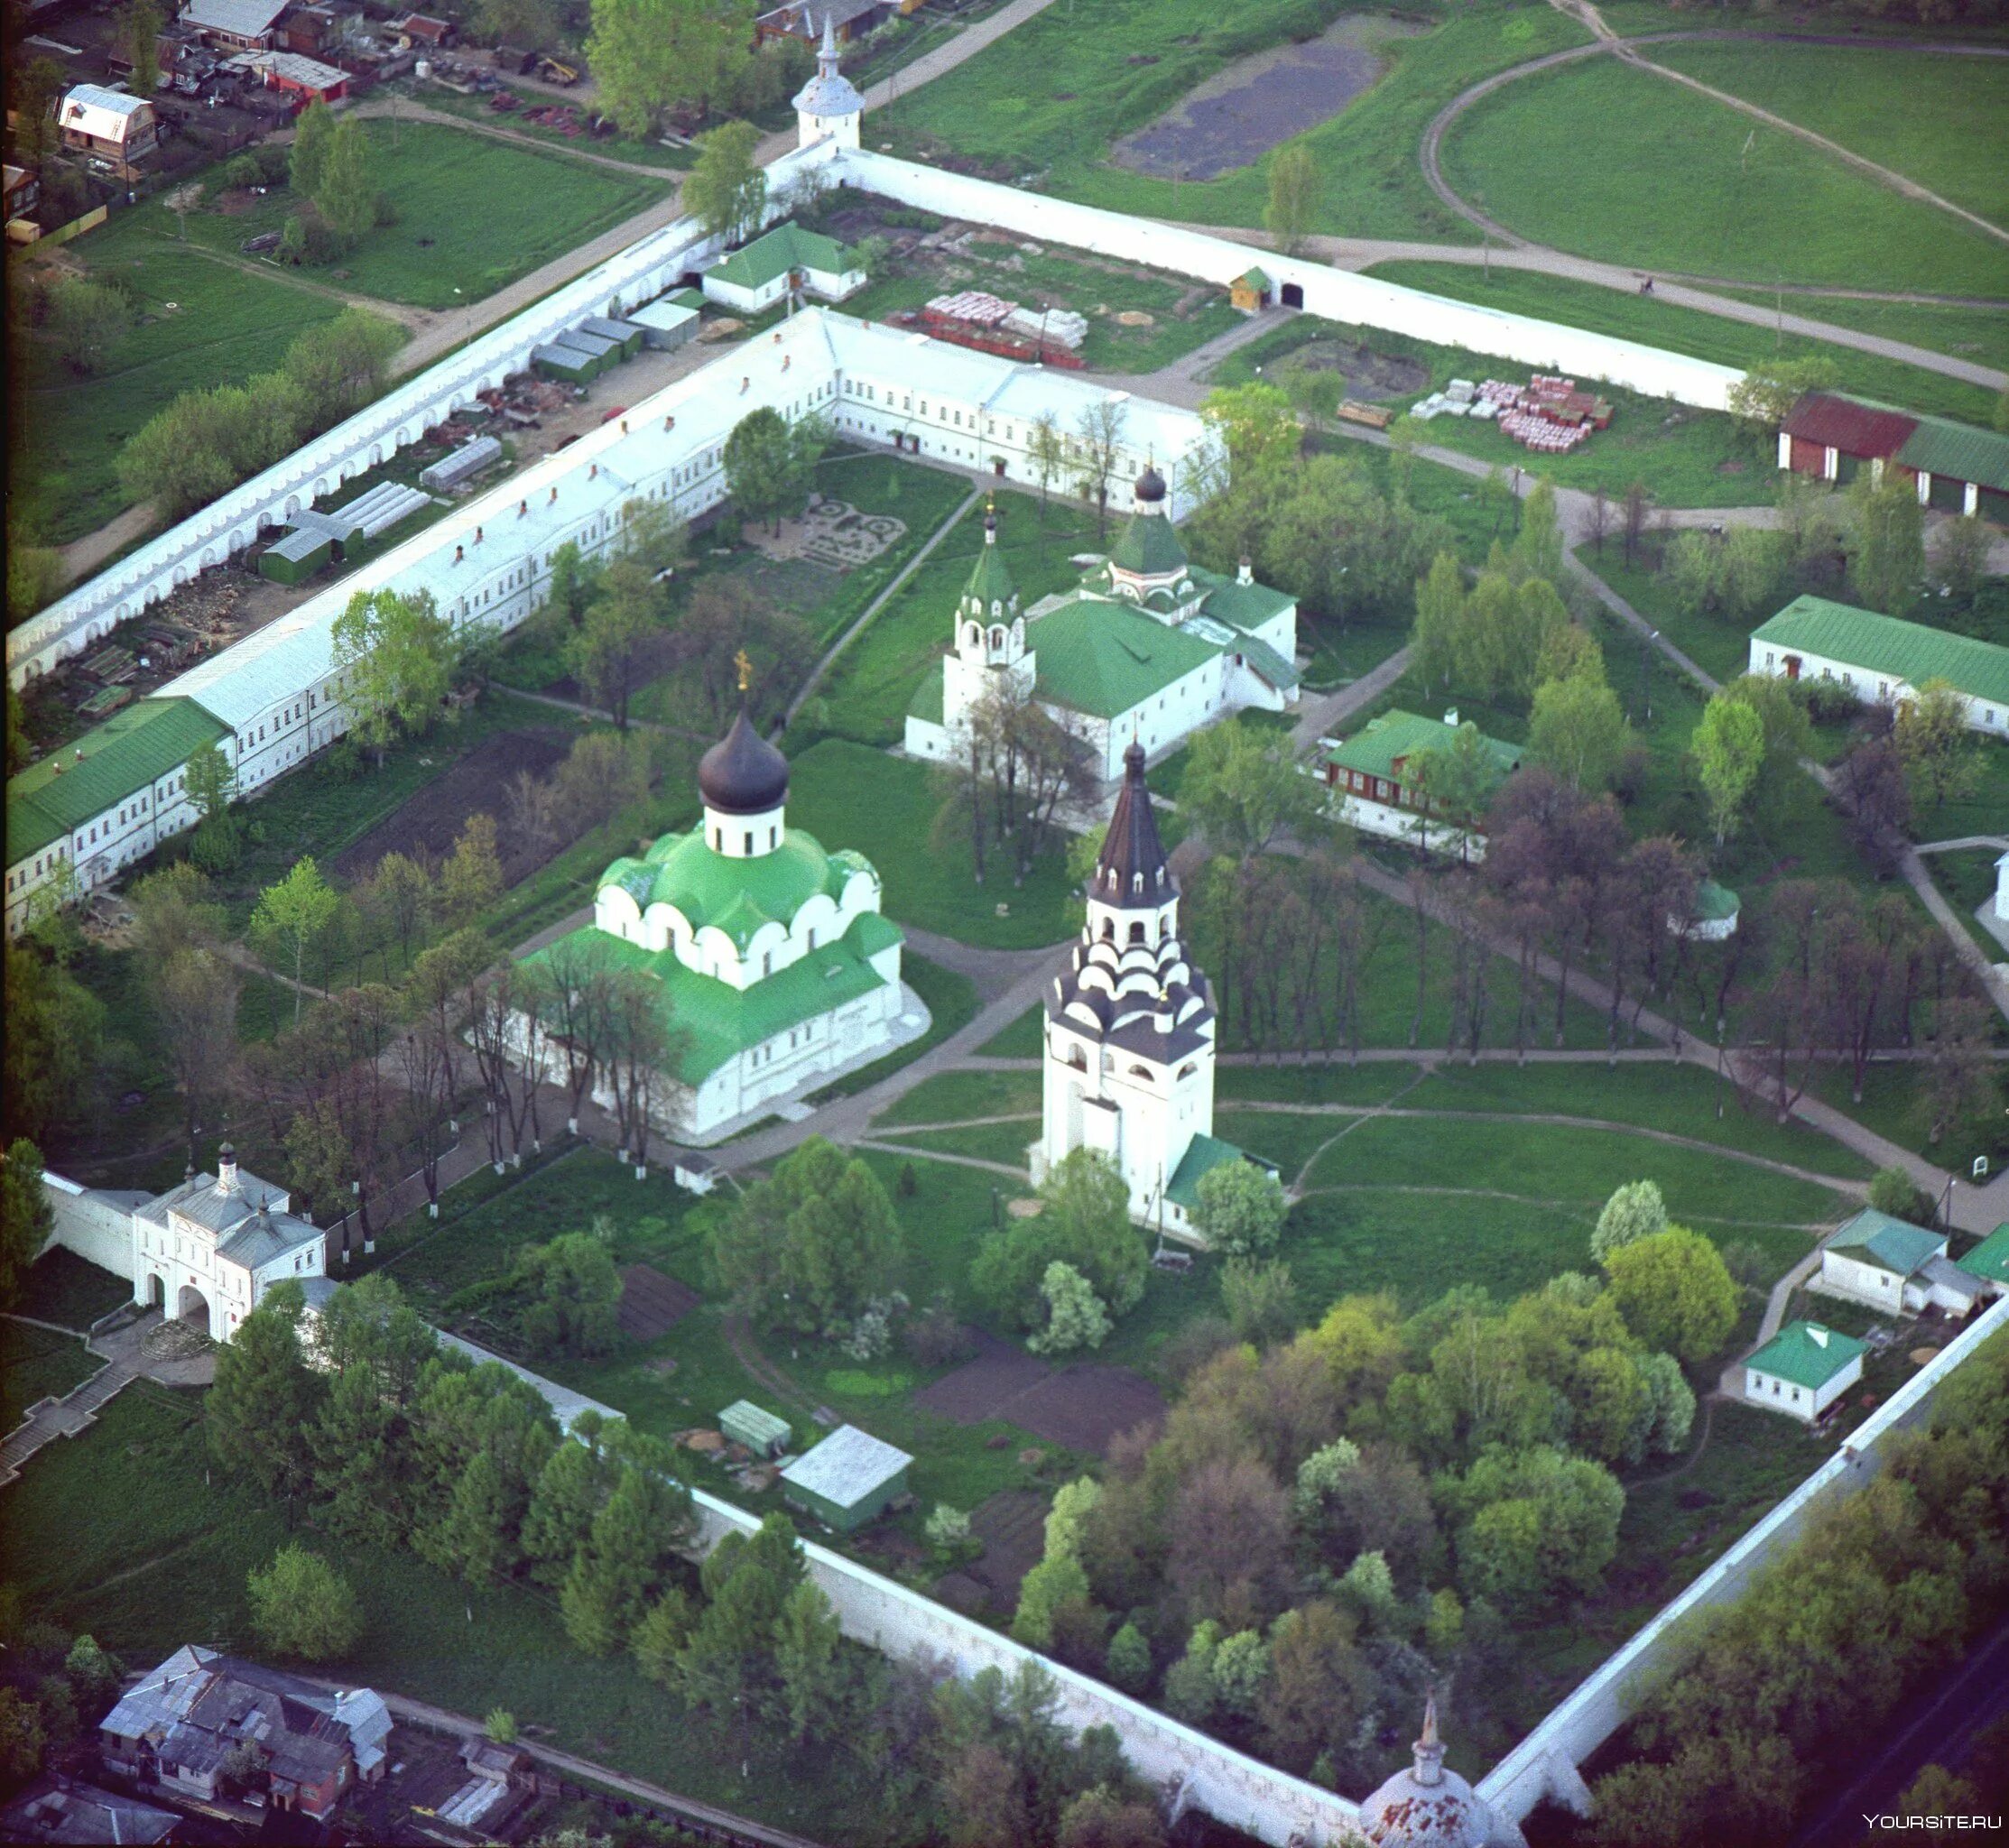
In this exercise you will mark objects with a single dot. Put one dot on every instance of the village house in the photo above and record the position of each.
(1896, 1266)
(24, 192)
(1989, 1261)
(845, 19)
(302, 81)
(65, 1814)
(116, 132)
(757, 277)
(1380, 781)
(421, 32)
(235, 26)
(1958, 469)
(1881, 661)
(205, 1726)
(1803, 1370)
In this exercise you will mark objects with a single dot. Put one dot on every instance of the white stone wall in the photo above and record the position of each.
(93, 1226)
(1336, 295)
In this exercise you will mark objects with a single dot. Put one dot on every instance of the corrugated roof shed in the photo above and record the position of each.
(129, 752)
(1959, 451)
(242, 19)
(1907, 651)
(1855, 426)
(847, 1466)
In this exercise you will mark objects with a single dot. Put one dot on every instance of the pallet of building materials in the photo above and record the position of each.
(466, 462)
(1375, 416)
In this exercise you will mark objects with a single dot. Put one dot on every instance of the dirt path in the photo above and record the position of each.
(403, 109)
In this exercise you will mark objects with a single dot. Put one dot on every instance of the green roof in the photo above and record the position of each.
(1714, 902)
(1990, 1258)
(1251, 279)
(1147, 547)
(990, 578)
(1280, 673)
(1384, 742)
(1804, 1353)
(1940, 447)
(718, 1022)
(1103, 658)
(785, 248)
(1245, 606)
(1907, 651)
(1895, 1245)
(927, 701)
(752, 1425)
(1204, 1153)
(737, 896)
(131, 752)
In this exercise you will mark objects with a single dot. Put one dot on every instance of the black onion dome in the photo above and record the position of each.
(742, 774)
(1151, 484)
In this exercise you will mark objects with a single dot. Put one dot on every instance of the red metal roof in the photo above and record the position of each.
(1844, 424)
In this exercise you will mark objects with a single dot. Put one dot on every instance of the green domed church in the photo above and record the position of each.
(775, 964)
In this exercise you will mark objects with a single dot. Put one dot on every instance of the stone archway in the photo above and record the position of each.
(193, 1305)
(156, 1291)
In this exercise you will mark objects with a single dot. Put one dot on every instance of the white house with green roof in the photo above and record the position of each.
(1803, 1370)
(1989, 1261)
(107, 800)
(756, 276)
(775, 968)
(1149, 647)
(1883, 660)
(1894, 1266)
(1423, 781)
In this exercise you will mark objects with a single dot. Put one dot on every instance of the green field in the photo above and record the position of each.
(163, 1562)
(201, 323)
(1939, 119)
(472, 214)
(1615, 163)
(35, 1365)
(1025, 1038)
(62, 1287)
(1973, 333)
(1052, 97)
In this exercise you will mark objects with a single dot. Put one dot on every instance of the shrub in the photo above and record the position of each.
(301, 1606)
(1893, 1191)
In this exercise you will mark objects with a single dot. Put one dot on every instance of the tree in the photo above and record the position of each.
(1887, 540)
(531, 24)
(1941, 760)
(572, 1296)
(806, 1248)
(1673, 1406)
(760, 466)
(54, 1026)
(292, 917)
(300, 1606)
(1533, 1523)
(610, 652)
(1075, 1316)
(1634, 1211)
(726, 619)
(1440, 619)
(472, 878)
(1293, 196)
(23, 1738)
(343, 366)
(500, 1726)
(1762, 399)
(1960, 551)
(85, 321)
(26, 1217)
(806, 1637)
(210, 783)
(660, 1637)
(574, 579)
(1084, 1221)
(195, 1000)
(313, 134)
(1578, 729)
(37, 90)
(394, 659)
(1320, 1685)
(1243, 790)
(1675, 1293)
(1241, 1209)
(727, 189)
(264, 1396)
(1051, 1585)
(1259, 1300)
(1728, 746)
(1893, 1190)
(345, 192)
(1046, 453)
(1098, 437)
(138, 28)
(1129, 1660)
(625, 1564)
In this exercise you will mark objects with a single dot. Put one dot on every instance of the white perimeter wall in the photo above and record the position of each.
(1338, 294)
(94, 1227)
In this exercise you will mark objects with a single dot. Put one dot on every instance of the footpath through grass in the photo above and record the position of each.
(1615, 163)
(1967, 332)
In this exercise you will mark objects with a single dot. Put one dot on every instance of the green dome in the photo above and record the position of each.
(736, 896)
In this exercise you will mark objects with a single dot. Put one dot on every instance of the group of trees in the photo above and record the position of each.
(54, 1688)
(1884, 1588)
(330, 173)
(653, 58)
(205, 442)
(1014, 766)
(1330, 1522)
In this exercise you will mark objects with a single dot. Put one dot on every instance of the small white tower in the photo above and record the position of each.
(990, 636)
(829, 107)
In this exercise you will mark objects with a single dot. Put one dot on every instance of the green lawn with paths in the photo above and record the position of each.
(1615, 163)
(615, 147)
(1053, 96)
(199, 323)
(164, 1560)
(1025, 1038)
(1939, 119)
(1965, 333)
(36, 1365)
(534, 206)
(958, 1096)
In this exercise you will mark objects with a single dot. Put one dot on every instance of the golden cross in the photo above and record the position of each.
(746, 666)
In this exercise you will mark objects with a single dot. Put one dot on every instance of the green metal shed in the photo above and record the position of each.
(759, 1431)
(567, 363)
(849, 1479)
(295, 559)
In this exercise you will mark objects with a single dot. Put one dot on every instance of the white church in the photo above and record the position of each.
(1130, 1030)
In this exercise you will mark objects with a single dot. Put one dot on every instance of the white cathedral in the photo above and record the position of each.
(1130, 1028)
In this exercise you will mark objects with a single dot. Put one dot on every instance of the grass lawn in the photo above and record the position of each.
(1866, 97)
(62, 1287)
(1713, 643)
(534, 206)
(200, 323)
(1581, 157)
(958, 1096)
(164, 1561)
(1967, 879)
(1025, 1038)
(1984, 809)
(1050, 98)
(1893, 1105)
(1099, 288)
(1004, 1143)
(1969, 333)
(36, 1365)
(847, 796)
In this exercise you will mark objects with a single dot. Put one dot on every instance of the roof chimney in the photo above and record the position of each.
(624, 426)
(459, 552)
(523, 507)
(669, 423)
(553, 500)
(593, 473)
(477, 535)
(1245, 574)
(226, 1169)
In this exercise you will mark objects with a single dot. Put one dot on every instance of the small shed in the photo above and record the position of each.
(665, 325)
(598, 353)
(695, 1173)
(1712, 915)
(295, 557)
(746, 1425)
(1249, 291)
(849, 1479)
(567, 363)
(624, 335)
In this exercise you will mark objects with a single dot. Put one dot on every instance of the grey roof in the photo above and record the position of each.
(1942, 1273)
(847, 1466)
(662, 316)
(65, 1813)
(266, 1236)
(298, 545)
(202, 1202)
(243, 19)
(159, 1700)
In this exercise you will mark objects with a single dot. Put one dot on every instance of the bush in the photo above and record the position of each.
(301, 1606)
(1829, 702)
(1893, 1191)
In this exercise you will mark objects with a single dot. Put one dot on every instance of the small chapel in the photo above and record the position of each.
(775, 967)
(1148, 648)
(1130, 1028)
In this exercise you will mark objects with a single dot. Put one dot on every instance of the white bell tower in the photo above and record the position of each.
(829, 107)
(990, 636)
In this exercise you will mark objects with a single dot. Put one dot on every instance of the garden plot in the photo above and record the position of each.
(1079, 1408)
(652, 1304)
